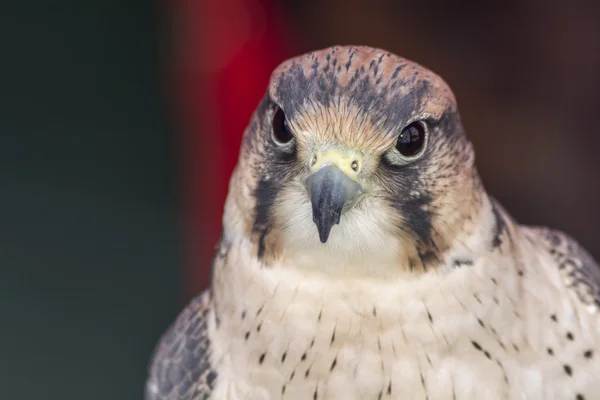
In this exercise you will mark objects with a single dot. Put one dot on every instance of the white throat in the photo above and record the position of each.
(312, 320)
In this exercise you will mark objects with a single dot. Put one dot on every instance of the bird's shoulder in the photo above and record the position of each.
(180, 367)
(580, 271)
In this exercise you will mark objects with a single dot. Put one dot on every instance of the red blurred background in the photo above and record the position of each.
(221, 72)
(525, 75)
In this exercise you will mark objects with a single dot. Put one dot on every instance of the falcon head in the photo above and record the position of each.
(355, 158)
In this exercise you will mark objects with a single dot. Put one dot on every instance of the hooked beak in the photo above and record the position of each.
(332, 192)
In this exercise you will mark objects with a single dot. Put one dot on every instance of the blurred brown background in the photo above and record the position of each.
(120, 122)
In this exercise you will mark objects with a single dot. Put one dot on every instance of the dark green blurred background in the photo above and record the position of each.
(88, 234)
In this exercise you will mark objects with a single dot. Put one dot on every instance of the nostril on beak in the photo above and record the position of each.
(313, 161)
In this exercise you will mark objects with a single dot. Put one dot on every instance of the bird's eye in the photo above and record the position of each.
(411, 140)
(282, 134)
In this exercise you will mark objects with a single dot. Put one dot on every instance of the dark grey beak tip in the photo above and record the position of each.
(324, 225)
(330, 190)
(323, 236)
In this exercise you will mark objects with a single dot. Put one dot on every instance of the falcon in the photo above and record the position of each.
(361, 258)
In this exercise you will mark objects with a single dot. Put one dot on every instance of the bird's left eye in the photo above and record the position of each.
(282, 134)
(411, 140)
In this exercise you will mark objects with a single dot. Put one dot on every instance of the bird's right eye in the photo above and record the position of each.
(282, 134)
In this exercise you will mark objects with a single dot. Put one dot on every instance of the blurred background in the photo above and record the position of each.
(120, 122)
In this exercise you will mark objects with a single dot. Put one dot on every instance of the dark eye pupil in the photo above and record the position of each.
(411, 140)
(281, 131)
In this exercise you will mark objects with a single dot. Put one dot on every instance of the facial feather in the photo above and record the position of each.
(359, 99)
